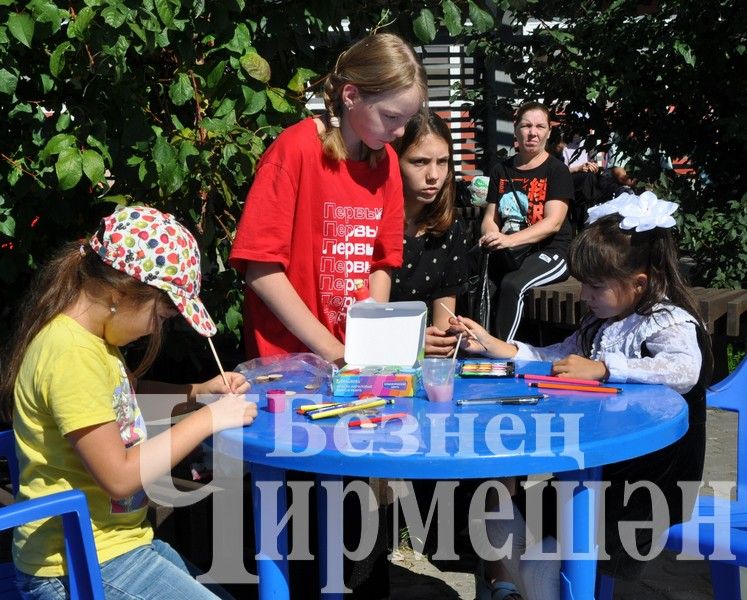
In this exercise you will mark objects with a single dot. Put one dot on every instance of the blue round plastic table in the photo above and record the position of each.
(572, 434)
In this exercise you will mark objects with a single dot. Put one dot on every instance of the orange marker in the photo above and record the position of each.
(577, 388)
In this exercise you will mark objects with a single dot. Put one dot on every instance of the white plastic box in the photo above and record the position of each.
(384, 344)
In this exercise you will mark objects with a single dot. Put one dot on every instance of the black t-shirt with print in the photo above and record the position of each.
(550, 180)
(433, 266)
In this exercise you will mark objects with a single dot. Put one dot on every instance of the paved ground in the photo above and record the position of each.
(416, 578)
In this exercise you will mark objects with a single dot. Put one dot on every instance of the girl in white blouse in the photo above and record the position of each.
(643, 326)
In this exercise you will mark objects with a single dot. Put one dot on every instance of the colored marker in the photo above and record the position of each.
(559, 379)
(576, 388)
(353, 406)
(523, 399)
(302, 410)
(379, 419)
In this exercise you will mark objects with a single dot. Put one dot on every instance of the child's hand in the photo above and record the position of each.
(476, 339)
(231, 410)
(438, 342)
(236, 381)
(579, 367)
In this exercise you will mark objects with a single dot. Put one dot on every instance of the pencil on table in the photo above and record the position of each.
(576, 388)
(558, 379)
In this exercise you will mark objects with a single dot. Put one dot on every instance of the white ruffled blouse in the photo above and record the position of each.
(670, 338)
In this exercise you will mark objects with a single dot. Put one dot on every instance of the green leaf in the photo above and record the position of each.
(8, 225)
(278, 101)
(225, 107)
(138, 31)
(47, 82)
(78, 27)
(170, 176)
(100, 146)
(93, 165)
(298, 81)
(181, 90)
(114, 18)
(481, 20)
(233, 318)
(45, 11)
(165, 12)
(241, 41)
(21, 27)
(255, 100)
(685, 51)
(256, 67)
(218, 126)
(424, 26)
(216, 74)
(57, 58)
(69, 168)
(452, 17)
(57, 144)
(8, 82)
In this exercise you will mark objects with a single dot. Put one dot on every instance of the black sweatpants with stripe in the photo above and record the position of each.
(538, 268)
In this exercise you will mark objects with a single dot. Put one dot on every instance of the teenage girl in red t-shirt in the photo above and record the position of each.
(326, 208)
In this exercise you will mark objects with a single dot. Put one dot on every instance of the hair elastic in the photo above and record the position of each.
(82, 250)
(334, 121)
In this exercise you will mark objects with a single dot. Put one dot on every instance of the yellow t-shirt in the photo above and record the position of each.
(71, 379)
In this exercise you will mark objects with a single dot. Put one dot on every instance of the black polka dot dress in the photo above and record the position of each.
(433, 266)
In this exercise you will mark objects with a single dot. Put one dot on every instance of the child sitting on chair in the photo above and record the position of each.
(643, 326)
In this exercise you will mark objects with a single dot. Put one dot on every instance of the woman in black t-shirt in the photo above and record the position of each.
(434, 267)
(528, 200)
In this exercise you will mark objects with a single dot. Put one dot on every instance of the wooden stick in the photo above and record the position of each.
(220, 366)
(448, 310)
(469, 333)
(456, 348)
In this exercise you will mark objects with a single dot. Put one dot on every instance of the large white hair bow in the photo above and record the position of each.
(641, 213)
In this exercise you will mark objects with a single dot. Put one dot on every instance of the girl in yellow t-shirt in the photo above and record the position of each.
(76, 420)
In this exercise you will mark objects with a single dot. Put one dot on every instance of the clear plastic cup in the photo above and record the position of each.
(438, 379)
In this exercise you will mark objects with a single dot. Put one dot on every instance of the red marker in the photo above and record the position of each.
(576, 388)
(559, 379)
(380, 419)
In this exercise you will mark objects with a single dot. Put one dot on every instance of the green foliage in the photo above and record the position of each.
(660, 81)
(733, 357)
(165, 102)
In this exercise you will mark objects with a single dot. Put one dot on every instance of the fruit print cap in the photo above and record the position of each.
(154, 248)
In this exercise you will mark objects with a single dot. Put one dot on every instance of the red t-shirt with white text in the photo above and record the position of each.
(326, 222)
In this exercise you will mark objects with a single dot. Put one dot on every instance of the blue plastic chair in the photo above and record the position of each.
(727, 394)
(84, 573)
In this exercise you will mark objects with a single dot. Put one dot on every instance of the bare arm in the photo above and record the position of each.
(441, 315)
(488, 224)
(438, 340)
(269, 282)
(380, 284)
(555, 213)
(121, 471)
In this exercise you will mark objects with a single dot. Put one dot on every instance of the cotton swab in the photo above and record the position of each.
(220, 366)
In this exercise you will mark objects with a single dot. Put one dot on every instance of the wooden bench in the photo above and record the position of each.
(560, 304)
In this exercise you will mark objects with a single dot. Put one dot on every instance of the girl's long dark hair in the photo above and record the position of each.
(438, 216)
(603, 251)
(74, 269)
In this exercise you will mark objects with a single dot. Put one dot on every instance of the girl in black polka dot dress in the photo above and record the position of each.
(434, 267)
